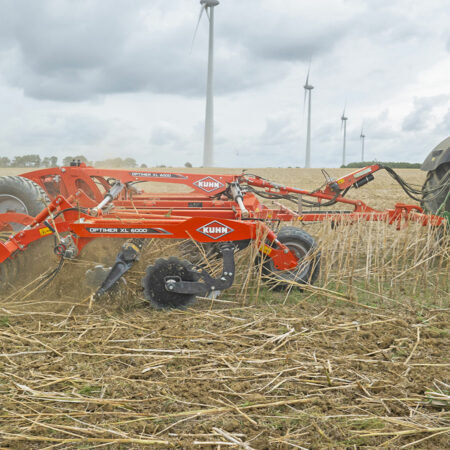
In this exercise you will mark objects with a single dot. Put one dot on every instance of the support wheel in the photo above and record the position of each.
(154, 283)
(21, 195)
(304, 247)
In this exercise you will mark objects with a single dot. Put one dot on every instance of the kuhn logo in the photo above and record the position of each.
(209, 184)
(215, 230)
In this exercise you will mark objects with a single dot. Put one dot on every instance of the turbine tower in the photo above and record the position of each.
(208, 148)
(308, 88)
(344, 126)
(362, 137)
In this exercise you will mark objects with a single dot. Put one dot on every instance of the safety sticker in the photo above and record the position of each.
(45, 231)
(265, 249)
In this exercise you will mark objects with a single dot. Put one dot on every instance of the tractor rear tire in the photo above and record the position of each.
(432, 201)
(21, 195)
(304, 246)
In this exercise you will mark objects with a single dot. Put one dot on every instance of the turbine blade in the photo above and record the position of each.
(307, 73)
(198, 23)
(304, 100)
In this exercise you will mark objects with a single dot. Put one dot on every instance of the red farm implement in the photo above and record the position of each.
(221, 213)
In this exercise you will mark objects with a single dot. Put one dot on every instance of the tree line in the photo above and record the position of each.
(35, 161)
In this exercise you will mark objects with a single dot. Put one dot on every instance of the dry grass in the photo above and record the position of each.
(359, 359)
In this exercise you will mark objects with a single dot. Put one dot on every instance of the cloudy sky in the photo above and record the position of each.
(109, 78)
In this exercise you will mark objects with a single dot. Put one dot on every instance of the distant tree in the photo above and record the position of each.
(143, 166)
(117, 163)
(26, 161)
(4, 161)
(33, 161)
(130, 162)
(67, 160)
(187, 164)
(17, 161)
(50, 161)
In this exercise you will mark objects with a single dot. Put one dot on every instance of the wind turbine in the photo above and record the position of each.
(344, 125)
(308, 88)
(208, 148)
(362, 136)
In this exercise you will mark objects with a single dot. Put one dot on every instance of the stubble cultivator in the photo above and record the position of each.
(222, 214)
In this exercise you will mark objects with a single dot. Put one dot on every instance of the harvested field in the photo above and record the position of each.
(361, 359)
(382, 193)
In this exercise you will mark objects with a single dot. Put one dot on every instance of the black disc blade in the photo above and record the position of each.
(155, 285)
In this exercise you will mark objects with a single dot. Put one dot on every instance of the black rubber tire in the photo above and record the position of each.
(29, 193)
(306, 272)
(436, 178)
(155, 286)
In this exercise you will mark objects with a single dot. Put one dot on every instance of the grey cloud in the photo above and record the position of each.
(76, 51)
(165, 134)
(418, 118)
(62, 52)
(279, 127)
(443, 126)
(380, 127)
(170, 145)
(73, 51)
(56, 131)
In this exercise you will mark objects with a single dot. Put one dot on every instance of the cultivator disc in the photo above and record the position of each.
(154, 283)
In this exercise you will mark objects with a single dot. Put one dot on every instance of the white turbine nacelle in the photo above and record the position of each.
(307, 85)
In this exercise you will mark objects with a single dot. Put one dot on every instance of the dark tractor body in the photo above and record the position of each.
(435, 190)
